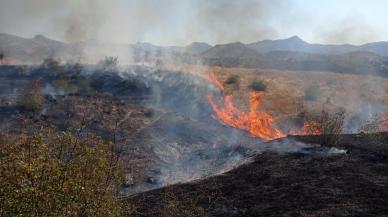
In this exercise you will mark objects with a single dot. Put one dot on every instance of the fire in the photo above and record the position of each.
(310, 127)
(213, 79)
(257, 122)
(384, 123)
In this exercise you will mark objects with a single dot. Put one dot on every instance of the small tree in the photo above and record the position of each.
(31, 98)
(66, 86)
(232, 79)
(258, 85)
(110, 63)
(51, 63)
(374, 127)
(328, 126)
(1, 58)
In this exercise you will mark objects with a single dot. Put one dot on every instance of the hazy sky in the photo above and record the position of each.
(179, 22)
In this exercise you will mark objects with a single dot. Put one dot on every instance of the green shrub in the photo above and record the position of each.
(84, 85)
(329, 125)
(373, 128)
(31, 97)
(312, 93)
(58, 174)
(232, 79)
(66, 86)
(258, 85)
(72, 86)
(149, 112)
(32, 102)
(109, 63)
(51, 63)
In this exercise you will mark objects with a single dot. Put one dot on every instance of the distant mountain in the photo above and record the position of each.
(237, 49)
(197, 48)
(232, 55)
(44, 41)
(292, 53)
(376, 47)
(240, 55)
(27, 51)
(291, 44)
(296, 44)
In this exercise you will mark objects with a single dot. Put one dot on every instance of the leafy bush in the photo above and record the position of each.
(51, 63)
(258, 85)
(58, 174)
(66, 86)
(83, 85)
(330, 126)
(232, 79)
(109, 63)
(31, 97)
(149, 112)
(373, 128)
(312, 93)
(72, 86)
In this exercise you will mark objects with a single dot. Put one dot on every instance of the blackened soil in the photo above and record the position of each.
(352, 184)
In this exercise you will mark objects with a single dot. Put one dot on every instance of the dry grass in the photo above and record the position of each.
(286, 89)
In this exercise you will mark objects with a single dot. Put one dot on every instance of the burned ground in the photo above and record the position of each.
(163, 126)
(159, 120)
(354, 184)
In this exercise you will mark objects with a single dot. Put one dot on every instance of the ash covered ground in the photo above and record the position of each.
(167, 134)
(293, 184)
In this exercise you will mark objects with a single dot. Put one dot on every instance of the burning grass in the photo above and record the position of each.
(257, 122)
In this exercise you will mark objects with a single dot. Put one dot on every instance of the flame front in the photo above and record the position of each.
(384, 123)
(257, 122)
(310, 127)
(213, 79)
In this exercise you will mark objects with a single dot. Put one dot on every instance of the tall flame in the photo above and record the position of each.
(257, 122)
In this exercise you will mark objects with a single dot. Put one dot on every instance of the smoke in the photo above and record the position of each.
(165, 22)
(176, 22)
(351, 30)
(229, 21)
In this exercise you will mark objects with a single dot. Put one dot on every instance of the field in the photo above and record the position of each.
(360, 96)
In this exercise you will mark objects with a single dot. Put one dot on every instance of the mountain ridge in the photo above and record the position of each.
(292, 54)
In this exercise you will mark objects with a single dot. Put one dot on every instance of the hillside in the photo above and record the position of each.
(291, 54)
(296, 44)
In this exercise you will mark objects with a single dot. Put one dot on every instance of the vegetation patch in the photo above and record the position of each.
(258, 85)
(58, 174)
(312, 93)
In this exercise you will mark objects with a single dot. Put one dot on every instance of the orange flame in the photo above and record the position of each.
(213, 79)
(384, 123)
(257, 123)
(3, 62)
(310, 127)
